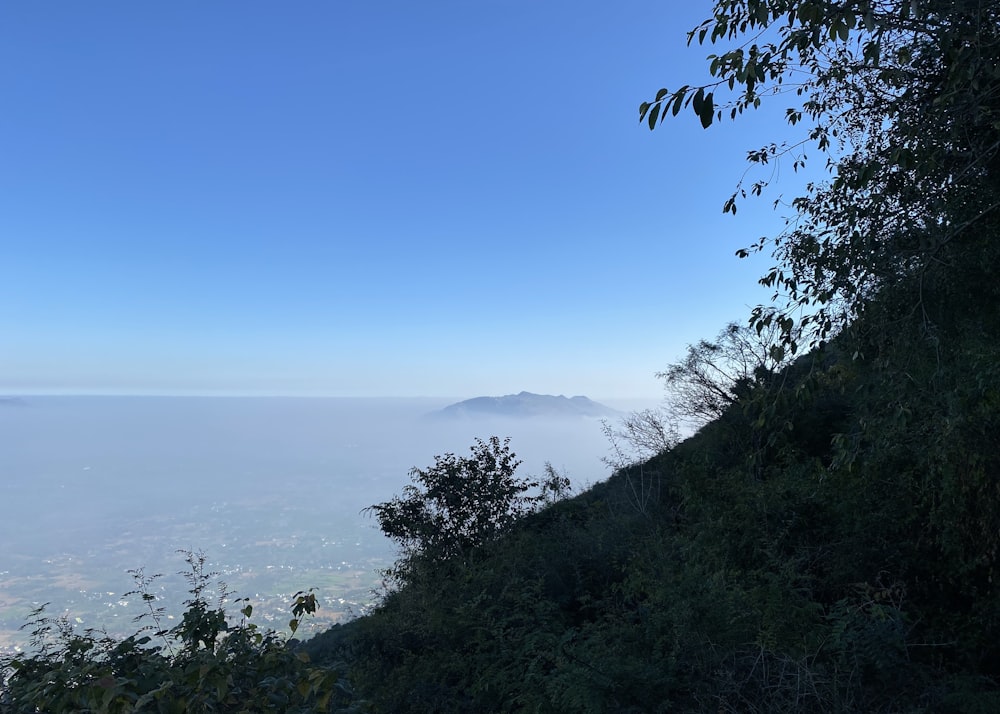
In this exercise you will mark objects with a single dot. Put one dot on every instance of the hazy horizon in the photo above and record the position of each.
(620, 403)
(271, 488)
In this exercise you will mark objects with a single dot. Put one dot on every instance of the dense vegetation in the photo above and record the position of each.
(844, 561)
(827, 540)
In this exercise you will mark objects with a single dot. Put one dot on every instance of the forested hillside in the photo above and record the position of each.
(828, 539)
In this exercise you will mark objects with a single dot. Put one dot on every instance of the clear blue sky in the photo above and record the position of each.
(361, 198)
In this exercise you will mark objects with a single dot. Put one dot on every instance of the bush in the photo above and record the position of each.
(206, 663)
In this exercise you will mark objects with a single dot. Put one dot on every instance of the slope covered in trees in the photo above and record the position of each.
(844, 561)
(828, 542)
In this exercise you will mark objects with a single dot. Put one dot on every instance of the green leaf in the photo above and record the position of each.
(653, 116)
(707, 112)
(698, 100)
(678, 102)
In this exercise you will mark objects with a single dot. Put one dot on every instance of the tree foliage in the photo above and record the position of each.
(714, 374)
(640, 435)
(903, 99)
(463, 502)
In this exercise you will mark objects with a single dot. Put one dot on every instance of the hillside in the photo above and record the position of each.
(828, 544)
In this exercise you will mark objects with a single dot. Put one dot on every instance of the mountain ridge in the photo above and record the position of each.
(526, 405)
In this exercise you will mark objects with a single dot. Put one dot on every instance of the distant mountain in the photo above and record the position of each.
(525, 405)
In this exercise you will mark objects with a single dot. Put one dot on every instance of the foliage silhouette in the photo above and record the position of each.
(462, 503)
(902, 98)
(206, 663)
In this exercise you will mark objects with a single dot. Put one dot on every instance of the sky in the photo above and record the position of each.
(348, 198)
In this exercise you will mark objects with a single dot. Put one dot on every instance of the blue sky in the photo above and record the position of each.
(361, 198)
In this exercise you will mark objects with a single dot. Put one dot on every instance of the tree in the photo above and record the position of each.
(461, 503)
(714, 374)
(639, 436)
(903, 99)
